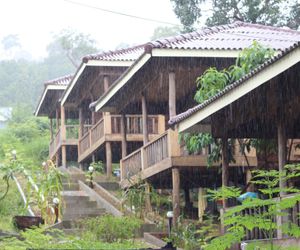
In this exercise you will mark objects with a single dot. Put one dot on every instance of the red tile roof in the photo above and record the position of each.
(180, 117)
(234, 36)
(62, 81)
(127, 54)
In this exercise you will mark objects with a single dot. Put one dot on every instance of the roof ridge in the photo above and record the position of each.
(86, 58)
(191, 35)
(269, 27)
(59, 80)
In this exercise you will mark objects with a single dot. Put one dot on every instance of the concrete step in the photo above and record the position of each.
(72, 186)
(80, 204)
(80, 216)
(78, 210)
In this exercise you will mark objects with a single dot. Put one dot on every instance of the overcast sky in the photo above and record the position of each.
(35, 21)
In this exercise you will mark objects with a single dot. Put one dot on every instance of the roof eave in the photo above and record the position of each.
(234, 93)
(46, 89)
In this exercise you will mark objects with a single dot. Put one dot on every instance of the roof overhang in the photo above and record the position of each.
(191, 123)
(45, 93)
(157, 52)
(95, 63)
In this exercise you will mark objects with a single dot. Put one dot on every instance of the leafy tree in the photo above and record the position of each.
(28, 135)
(188, 11)
(165, 31)
(73, 45)
(269, 12)
(264, 211)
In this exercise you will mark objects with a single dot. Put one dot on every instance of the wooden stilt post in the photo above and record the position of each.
(172, 95)
(108, 159)
(225, 165)
(81, 125)
(63, 136)
(145, 120)
(57, 159)
(57, 119)
(51, 129)
(64, 156)
(105, 83)
(176, 194)
(282, 154)
(123, 133)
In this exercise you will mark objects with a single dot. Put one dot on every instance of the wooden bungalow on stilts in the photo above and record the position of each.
(263, 104)
(63, 144)
(102, 134)
(162, 81)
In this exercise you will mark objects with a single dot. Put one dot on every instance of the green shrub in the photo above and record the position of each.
(109, 228)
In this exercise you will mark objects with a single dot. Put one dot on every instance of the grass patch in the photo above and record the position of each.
(9, 207)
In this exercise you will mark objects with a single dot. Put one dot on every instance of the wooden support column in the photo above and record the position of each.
(62, 123)
(145, 120)
(63, 136)
(172, 95)
(123, 134)
(64, 156)
(176, 194)
(108, 159)
(81, 123)
(248, 180)
(51, 129)
(225, 165)
(105, 83)
(57, 119)
(282, 154)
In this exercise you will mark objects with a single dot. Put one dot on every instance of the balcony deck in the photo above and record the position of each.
(58, 141)
(109, 129)
(159, 156)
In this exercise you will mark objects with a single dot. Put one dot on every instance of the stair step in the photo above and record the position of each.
(71, 186)
(78, 210)
(80, 204)
(80, 216)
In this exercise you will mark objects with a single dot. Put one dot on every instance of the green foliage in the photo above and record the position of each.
(210, 83)
(40, 238)
(49, 181)
(110, 229)
(98, 166)
(263, 211)
(191, 236)
(268, 12)
(164, 31)
(73, 44)
(188, 12)
(213, 80)
(10, 206)
(26, 134)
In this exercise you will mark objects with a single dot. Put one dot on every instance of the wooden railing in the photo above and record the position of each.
(131, 165)
(134, 124)
(84, 143)
(163, 147)
(97, 131)
(71, 132)
(111, 124)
